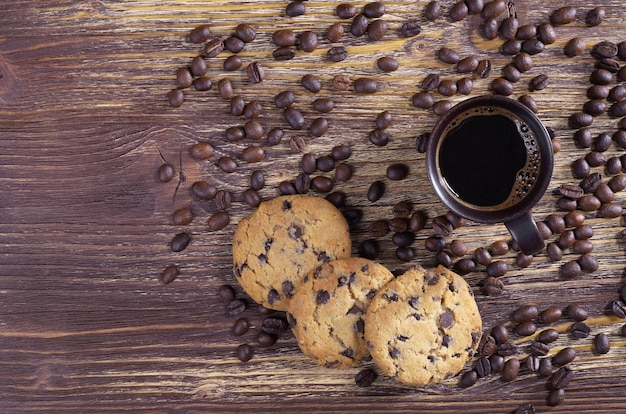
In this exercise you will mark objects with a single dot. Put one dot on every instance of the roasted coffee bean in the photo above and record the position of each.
(595, 159)
(175, 98)
(492, 286)
(169, 274)
(582, 246)
(284, 99)
(618, 308)
(563, 15)
(511, 47)
(497, 268)
(294, 118)
(245, 32)
(200, 34)
(555, 397)
(583, 137)
(549, 315)
(483, 367)
(379, 228)
(165, 173)
(251, 197)
(245, 352)
(236, 307)
(523, 62)
(369, 249)
(345, 10)
(213, 47)
(545, 367)
(546, 33)
(180, 242)
(237, 105)
(410, 28)
(284, 53)
(252, 109)
(500, 334)
(482, 256)
(377, 30)
(468, 379)
(265, 339)
(378, 137)
(241, 326)
(619, 137)
(374, 9)
(523, 260)
(253, 154)
(341, 152)
(570, 270)
(539, 348)
(337, 54)
(524, 314)
(483, 69)
(556, 223)
(511, 73)
(490, 29)
(225, 89)
(595, 16)
(509, 27)
(274, 324)
(467, 64)
(618, 109)
(475, 6)
(335, 32)
(383, 120)
(287, 188)
(387, 64)
(580, 330)
(589, 202)
(564, 356)
(566, 239)
(359, 25)
(431, 82)
(529, 102)
(613, 165)
(610, 64)
(574, 47)
(538, 83)
(302, 183)
(376, 191)
(561, 378)
(311, 83)
(576, 312)
(234, 44)
(365, 378)
(182, 216)
(255, 72)
(497, 363)
(602, 142)
(295, 8)
(525, 329)
(403, 239)
(601, 77)
(458, 11)
(493, 9)
(434, 243)
(227, 164)
(223, 200)
(511, 369)
(583, 232)
(253, 130)
(337, 198)
(441, 107)
(324, 163)
(502, 86)
(447, 55)
(365, 85)
(432, 11)
(234, 133)
(581, 168)
(547, 336)
(318, 127)
(284, 37)
(601, 343)
(397, 171)
(203, 83)
(442, 226)
(598, 92)
(423, 100)
(198, 66)
(618, 183)
(554, 252)
(544, 230)
(486, 346)
(405, 254)
(417, 221)
(591, 183)
(526, 32)
(444, 259)
(447, 87)
(465, 86)
(465, 266)
(203, 190)
(610, 210)
(588, 263)
(604, 49)
(458, 248)
(341, 82)
(322, 184)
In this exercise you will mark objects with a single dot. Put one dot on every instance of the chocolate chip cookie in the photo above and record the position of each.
(327, 312)
(286, 237)
(422, 327)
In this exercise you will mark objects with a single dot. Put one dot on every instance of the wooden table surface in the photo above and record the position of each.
(86, 325)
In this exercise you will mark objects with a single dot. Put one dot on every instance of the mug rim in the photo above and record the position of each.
(546, 164)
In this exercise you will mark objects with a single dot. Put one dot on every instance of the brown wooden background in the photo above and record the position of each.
(85, 323)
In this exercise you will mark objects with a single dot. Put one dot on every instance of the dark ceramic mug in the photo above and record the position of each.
(490, 160)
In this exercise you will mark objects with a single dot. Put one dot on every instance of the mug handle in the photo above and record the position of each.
(525, 232)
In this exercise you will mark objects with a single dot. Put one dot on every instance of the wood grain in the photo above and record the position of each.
(85, 323)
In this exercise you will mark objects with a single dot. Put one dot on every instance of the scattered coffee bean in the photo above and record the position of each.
(345, 10)
(441, 107)
(341, 82)
(365, 85)
(468, 379)
(376, 30)
(180, 242)
(295, 8)
(467, 64)
(423, 100)
(432, 11)
(169, 274)
(245, 352)
(365, 378)
(376, 191)
(548, 336)
(410, 28)
(311, 83)
(511, 48)
(601, 343)
(538, 83)
(490, 28)
(359, 25)
(241, 326)
(561, 378)
(574, 47)
(337, 54)
(580, 330)
(595, 16)
(564, 356)
(458, 11)
(618, 307)
(525, 329)
(563, 15)
(387, 64)
(509, 27)
(284, 37)
(265, 339)
(234, 44)
(511, 369)
(218, 221)
(501, 86)
(200, 34)
(447, 87)
(378, 137)
(175, 98)
(236, 307)
(524, 314)
(529, 102)
(448, 55)
(493, 9)
(493, 286)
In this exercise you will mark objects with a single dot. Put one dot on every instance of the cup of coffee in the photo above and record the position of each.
(490, 160)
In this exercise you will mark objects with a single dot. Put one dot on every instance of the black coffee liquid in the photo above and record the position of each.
(482, 159)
